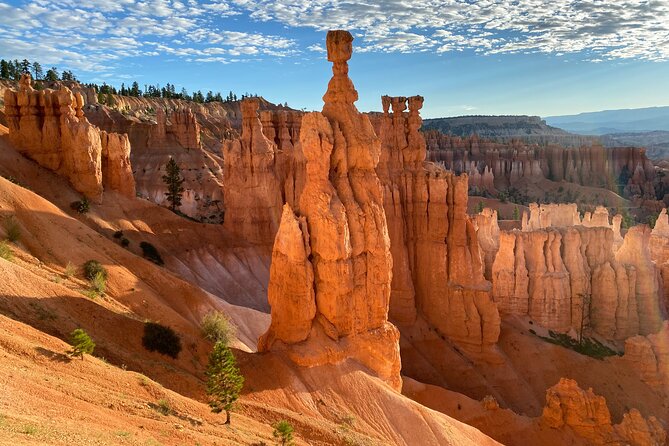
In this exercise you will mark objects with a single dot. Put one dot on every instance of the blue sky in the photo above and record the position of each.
(539, 57)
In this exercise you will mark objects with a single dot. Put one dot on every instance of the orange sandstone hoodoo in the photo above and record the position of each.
(49, 127)
(331, 265)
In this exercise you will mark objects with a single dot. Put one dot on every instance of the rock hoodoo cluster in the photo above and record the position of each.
(49, 127)
(496, 166)
(331, 265)
(558, 270)
(252, 192)
(437, 268)
(588, 416)
(181, 131)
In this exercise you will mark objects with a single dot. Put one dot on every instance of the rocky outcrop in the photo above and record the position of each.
(659, 250)
(330, 284)
(49, 127)
(512, 161)
(567, 405)
(559, 275)
(649, 357)
(116, 167)
(182, 130)
(437, 268)
(252, 192)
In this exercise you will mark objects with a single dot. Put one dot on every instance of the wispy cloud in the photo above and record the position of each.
(89, 36)
(608, 29)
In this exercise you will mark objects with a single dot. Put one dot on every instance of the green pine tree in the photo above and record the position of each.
(283, 432)
(81, 343)
(479, 207)
(224, 380)
(516, 213)
(174, 182)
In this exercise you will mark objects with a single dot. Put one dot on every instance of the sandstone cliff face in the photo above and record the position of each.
(49, 127)
(116, 166)
(588, 416)
(659, 250)
(437, 268)
(251, 188)
(507, 163)
(649, 357)
(182, 130)
(559, 275)
(330, 286)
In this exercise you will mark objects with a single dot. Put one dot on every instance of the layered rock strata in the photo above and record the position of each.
(649, 357)
(508, 163)
(252, 192)
(330, 276)
(437, 268)
(560, 275)
(567, 405)
(182, 130)
(49, 127)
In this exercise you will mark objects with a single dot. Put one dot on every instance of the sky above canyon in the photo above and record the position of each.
(538, 57)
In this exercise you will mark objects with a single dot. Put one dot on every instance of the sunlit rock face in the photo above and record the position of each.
(561, 272)
(498, 166)
(569, 406)
(331, 273)
(49, 127)
(437, 266)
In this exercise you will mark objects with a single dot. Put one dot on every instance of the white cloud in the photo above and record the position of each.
(92, 34)
(611, 29)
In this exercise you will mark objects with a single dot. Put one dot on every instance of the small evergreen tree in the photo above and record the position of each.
(51, 75)
(81, 343)
(4, 69)
(479, 207)
(516, 213)
(37, 71)
(224, 380)
(283, 432)
(174, 182)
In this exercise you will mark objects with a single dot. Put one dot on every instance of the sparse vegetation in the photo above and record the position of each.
(99, 283)
(479, 207)
(81, 206)
(589, 347)
(70, 270)
(118, 234)
(12, 229)
(283, 432)
(125, 242)
(224, 380)
(29, 429)
(151, 253)
(161, 339)
(217, 327)
(5, 251)
(164, 407)
(92, 268)
(81, 343)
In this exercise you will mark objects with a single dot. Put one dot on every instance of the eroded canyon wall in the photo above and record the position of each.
(330, 275)
(587, 414)
(497, 166)
(559, 274)
(49, 127)
(437, 268)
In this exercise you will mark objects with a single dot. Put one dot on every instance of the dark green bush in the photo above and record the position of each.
(161, 339)
(92, 268)
(125, 242)
(82, 206)
(118, 234)
(151, 253)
